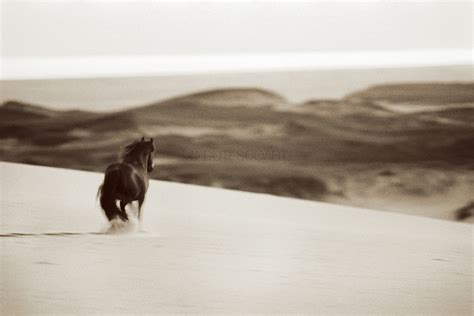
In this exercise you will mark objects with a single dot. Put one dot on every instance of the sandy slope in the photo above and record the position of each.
(211, 250)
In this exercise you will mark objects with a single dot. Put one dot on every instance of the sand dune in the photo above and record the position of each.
(207, 250)
(411, 142)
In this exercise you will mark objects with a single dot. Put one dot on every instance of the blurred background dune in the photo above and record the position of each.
(404, 147)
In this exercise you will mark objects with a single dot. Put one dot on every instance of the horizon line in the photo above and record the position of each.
(21, 68)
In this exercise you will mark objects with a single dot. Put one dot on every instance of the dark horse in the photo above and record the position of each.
(127, 180)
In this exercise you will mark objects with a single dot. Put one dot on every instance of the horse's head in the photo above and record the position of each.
(140, 151)
(149, 149)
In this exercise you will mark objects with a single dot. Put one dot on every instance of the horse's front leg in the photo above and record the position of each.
(141, 199)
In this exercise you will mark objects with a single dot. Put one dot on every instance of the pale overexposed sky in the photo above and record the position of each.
(101, 28)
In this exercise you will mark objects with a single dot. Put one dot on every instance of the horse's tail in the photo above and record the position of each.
(106, 194)
(99, 192)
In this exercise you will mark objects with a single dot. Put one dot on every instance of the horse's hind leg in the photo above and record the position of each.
(109, 206)
(123, 215)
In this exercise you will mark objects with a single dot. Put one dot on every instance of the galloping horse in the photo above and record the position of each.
(127, 180)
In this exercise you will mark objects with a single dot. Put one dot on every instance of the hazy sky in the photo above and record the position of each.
(84, 28)
(90, 28)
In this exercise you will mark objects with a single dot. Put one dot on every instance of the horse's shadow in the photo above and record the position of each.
(115, 227)
(62, 234)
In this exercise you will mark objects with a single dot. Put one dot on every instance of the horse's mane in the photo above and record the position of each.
(129, 151)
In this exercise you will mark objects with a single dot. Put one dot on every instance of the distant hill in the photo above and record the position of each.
(13, 110)
(372, 142)
(249, 97)
(419, 93)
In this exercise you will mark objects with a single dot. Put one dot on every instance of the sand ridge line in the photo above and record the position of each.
(51, 234)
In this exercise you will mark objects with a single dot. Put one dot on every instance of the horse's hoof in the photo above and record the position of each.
(123, 219)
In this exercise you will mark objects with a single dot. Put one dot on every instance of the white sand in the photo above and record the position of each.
(219, 251)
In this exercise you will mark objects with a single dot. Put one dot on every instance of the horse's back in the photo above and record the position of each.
(131, 182)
